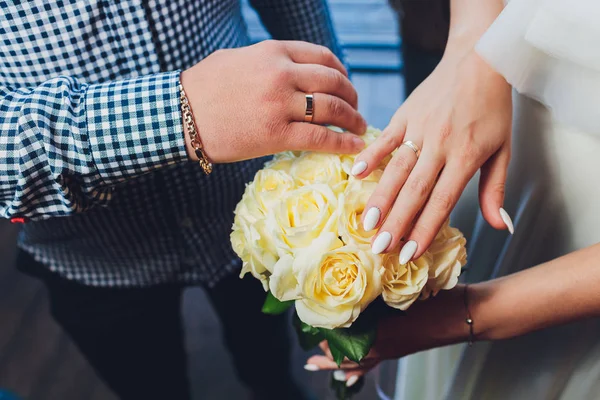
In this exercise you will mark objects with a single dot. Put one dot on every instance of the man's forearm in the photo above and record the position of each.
(553, 293)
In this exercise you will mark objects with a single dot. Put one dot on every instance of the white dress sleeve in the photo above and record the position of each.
(550, 50)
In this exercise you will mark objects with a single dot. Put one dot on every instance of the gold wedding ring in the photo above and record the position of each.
(413, 147)
(310, 108)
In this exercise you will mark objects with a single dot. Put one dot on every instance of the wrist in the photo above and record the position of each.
(438, 321)
(452, 316)
(470, 19)
(489, 323)
(192, 137)
(184, 80)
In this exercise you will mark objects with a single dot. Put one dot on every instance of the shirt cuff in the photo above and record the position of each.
(135, 126)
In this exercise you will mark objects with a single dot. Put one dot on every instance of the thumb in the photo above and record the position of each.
(492, 185)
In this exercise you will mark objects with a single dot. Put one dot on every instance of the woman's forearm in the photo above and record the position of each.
(469, 19)
(553, 293)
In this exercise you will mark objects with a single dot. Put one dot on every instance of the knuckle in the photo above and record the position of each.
(422, 233)
(401, 164)
(419, 185)
(273, 127)
(445, 132)
(394, 224)
(442, 202)
(326, 53)
(336, 78)
(336, 108)
(283, 76)
(468, 153)
(318, 137)
(342, 141)
(353, 97)
(389, 139)
(273, 46)
(498, 188)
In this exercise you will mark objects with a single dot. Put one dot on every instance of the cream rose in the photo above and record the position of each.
(256, 249)
(269, 185)
(403, 283)
(301, 216)
(283, 283)
(335, 282)
(248, 208)
(311, 168)
(250, 238)
(449, 256)
(352, 204)
(281, 161)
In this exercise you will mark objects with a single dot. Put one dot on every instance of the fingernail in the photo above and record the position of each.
(352, 380)
(507, 220)
(358, 168)
(371, 219)
(339, 375)
(382, 242)
(408, 251)
(311, 367)
(359, 143)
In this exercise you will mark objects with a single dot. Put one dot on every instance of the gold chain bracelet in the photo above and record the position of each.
(188, 118)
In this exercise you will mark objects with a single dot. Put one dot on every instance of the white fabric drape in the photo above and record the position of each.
(550, 50)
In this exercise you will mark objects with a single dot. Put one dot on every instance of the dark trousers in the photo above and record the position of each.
(134, 339)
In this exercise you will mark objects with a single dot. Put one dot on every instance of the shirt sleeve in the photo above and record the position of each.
(306, 20)
(65, 145)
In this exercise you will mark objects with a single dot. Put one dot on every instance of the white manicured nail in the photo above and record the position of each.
(507, 220)
(358, 168)
(311, 367)
(382, 242)
(371, 219)
(339, 375)
(352, 380)
(407, 252)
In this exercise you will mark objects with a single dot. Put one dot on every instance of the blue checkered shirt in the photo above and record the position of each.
(91, 145)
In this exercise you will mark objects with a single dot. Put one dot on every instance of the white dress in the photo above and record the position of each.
(549, 50)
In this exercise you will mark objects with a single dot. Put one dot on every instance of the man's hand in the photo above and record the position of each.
(250, 102)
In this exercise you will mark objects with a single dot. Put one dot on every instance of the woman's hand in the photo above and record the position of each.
(250, 102)
(460, 118)
(431, 323)
(500, 309)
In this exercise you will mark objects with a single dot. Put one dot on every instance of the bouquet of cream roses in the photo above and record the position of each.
(298, 230)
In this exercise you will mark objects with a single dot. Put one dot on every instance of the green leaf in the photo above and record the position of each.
(338, 355)
(308, 337)
(354, 342)
(273, 306)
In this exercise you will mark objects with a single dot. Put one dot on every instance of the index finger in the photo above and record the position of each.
(309, 53)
